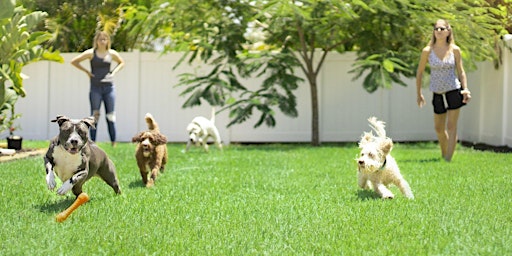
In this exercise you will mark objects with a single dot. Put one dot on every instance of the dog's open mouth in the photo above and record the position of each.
(146, 151)
(73, 150)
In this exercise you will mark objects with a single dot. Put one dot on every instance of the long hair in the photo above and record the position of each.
(449, 39)
(98, 34)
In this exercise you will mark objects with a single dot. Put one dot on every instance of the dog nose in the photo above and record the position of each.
(361, 162)
(73, 141)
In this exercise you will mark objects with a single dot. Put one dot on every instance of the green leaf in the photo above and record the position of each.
(7, 8)
(34, 18)
(53, 56)
(388, 65)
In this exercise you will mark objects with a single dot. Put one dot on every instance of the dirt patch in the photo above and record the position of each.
(23, 153)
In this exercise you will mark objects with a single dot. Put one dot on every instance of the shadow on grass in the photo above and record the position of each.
(136, 184)
(426, 160)
(365, 195)
(55, 207)
(60, 205)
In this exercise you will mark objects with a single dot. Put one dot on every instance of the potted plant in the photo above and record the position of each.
(14, 141)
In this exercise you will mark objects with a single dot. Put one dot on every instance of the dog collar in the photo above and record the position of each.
(383, 165)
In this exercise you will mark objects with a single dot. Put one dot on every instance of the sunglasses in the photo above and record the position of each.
(440, 29)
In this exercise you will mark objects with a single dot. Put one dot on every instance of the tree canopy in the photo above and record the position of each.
(275, 39)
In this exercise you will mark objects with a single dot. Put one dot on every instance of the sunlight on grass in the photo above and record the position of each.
(266, 199)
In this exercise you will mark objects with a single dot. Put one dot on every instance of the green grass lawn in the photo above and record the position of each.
(266, 200)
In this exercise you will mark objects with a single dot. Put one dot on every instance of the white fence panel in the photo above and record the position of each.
(146, 84)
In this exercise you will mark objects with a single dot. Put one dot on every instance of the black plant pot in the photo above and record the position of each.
(14, 142)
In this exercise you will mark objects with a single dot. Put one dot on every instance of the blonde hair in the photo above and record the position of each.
(449, 40)
(97, 36)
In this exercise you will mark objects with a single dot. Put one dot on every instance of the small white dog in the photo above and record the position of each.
(200, 129)
(377, 169)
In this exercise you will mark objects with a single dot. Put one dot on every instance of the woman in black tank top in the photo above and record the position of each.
(101, 80)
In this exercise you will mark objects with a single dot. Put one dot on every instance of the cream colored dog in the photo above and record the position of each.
(377, 169)
(200, 129)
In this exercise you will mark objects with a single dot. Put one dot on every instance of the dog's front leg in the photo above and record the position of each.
(143, 174)
(188, 146)
(68, 184)
(152, 178)
(383, 191)
(50, 176)
(48, 165)
(155, 169)
(362, 180)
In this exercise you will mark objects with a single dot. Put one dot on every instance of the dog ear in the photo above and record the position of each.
(366, 138)
(386, 145)
(137, 138)
(160, 139)
(60, 119)
(190, 127)
(90, 121)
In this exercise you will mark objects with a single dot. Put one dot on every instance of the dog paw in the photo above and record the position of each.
(150, 183)
(66, 186)
(388, 196)
(50, 181)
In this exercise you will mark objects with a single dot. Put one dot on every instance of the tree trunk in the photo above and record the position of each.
(315, 138)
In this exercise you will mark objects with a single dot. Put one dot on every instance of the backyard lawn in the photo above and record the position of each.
(275, 199)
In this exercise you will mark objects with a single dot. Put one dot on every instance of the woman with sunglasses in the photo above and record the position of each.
(447, 82)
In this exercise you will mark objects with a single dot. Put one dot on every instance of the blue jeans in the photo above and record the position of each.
(105, 93)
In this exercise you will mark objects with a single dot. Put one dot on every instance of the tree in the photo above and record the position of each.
(387, 36)
(273, 39)
(19, 46)
(389, 39)
(290, 33)
(73, 23)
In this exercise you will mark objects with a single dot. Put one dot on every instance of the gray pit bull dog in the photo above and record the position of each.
(74, 158)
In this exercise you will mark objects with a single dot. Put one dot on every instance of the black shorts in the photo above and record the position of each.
(447, 101)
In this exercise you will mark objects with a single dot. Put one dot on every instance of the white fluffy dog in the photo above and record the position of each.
(377, 169)
(200, 129)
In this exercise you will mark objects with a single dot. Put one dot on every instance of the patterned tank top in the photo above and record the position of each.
(442, 73)
(100, 68)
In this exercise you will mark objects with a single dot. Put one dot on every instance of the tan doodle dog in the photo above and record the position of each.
(377, 169)
(151, 152)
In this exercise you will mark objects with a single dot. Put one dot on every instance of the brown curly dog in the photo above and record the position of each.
(151, 152)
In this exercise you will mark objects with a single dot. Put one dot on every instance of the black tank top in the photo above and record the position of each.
(100, 68)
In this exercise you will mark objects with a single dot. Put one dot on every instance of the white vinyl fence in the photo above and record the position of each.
(146, 84)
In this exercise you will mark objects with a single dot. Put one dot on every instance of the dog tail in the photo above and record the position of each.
(150, 121)
(212, 119)
(378, 126)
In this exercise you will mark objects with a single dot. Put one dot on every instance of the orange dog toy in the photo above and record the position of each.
(81, 199)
